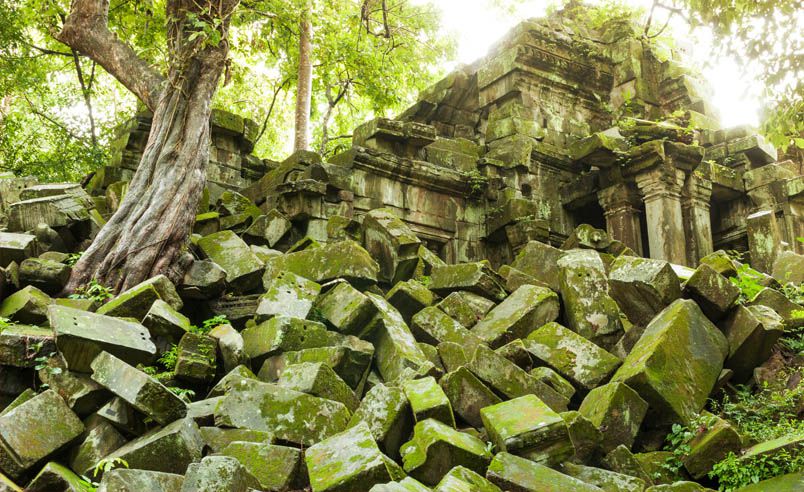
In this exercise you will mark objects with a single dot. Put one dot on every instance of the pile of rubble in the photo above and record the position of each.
(367, 363)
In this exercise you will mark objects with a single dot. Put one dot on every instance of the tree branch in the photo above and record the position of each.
(86, 30)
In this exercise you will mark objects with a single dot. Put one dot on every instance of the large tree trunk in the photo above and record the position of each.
(304, 88)
(148, 232)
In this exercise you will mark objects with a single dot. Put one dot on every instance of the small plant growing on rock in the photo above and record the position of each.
(209, 324)
(734, 473)
(170, 358)
(5, 323)
(93, 291)
(748, 281)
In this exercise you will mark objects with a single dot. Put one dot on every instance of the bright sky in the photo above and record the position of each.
(477, 25)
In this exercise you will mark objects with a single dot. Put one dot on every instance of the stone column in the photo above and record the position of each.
(661, 192)
(695, 205)
(621, 206)
(764, 239)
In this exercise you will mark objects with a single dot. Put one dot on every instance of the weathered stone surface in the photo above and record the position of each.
(218, 474)
(526, 427)
(231, 347)
(477, 278)
(643, 287)
(54, 476)
(512, 381)
(398, 356)
(573, 356)
(386, 411)
(436, 448)
(553, 380)
(216, 439)
(467, 395)
(673, 375)
(16, 247)
(585, 436)
(125, 480)
(465, 307)
(347, 309)
(318, 379)
(345, 259)
(428, 400)
(617, 411)
(586, 236)
(268, 229)
(792, 443)
(81, 336)
(518, 315)
(47, 275)
(277, 468)
(788, 267)
(168, 449)
(35, 430)
(82, 394)
(540, 260)
(751, 332)
(710, 445)
(431, 325)
(606, 480)
(289, 415)
(137, 301)
(349, 462)
(99, 440)
(784, 307)
(622, 460)
(123, 416)
(517, 474)
(287, 294)
(21, 345)
(203, 280)
(243, 268)
(391, 242)
(792, 482)
(409, 297)
(462, 479)
(407, 484)
(163, 321)
(588, 308)
(28, 305)
(196, 358)
(139, 390)
(55, 211)
(713, 292)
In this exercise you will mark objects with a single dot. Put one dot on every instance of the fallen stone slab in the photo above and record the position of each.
(268, 229)
(35, 430)
(540, 260)
(751, 332)
(216, 439)
(391, 242)
(203, 280)
(22, 345)
(513, 473)
(571, 355)
(136, 388)
(126, 480)
(350, 365)
(28, 306)
(554, 380)
(617, 411)
(81, 336)
(137, 301)
(166, 323)
(344, 259)
(784, 307)
(433, 326)
(526, 427)
(586, 236)
(713, 292)
(478, 278)
(585, 436)
(386, 411)
(397, 354)
(507, 378)
(55, 211)
(218, 474)
(589, 310)
(462, 479)
(643, 287)
(231, 347)
(349, 461)
(100, 439)
(788, 267)
(15, 247)
(410, 297)
(518, 315)
(672, 375)
(622, 460)
(318, 379)
(196, 358)
(606, 480)
(407, 484)
(465, 307)
(287, 295)
(47, 275)
(277, 468)
(436, 448)
(792, 482)
(428, 400)
(287, 414)
(168, 449)
(711, 445)
(123, 416)
(243, 268)
(55, 476)
(83, 395)
(347, 309)
(467, 395)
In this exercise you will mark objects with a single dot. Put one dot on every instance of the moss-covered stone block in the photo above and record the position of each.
(410, 297)
(216, 439)
(391, 242)
(287, 294)
(21, 345)
(126, 480)
(436, 448)
(527, 427)
(606, 480)
(468, 395)
(554, 380)
(432, 325)
(163, 321)
(622, 460)
(428, 400)
(540, 260)
(347, 309)
(465, 307)
(28, 306)
(752, 333)
(673, 374)
(243, 268)
(643, 287)
(137, 301)
(518, 315)
(99, 439)
(710, 445)
(318, 379)
(617, 411)
(513, 473)
(196, 360)
(277, 468)
(218, 474)
(478, 278)
(344, 259)
(462, 479)
(386, 411)
(713, 292)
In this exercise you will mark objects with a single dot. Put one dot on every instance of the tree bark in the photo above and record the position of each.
(148, 232)
(304, 88)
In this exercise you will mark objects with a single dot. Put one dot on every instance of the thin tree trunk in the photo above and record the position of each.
(86, 89)
(147, 233)
(304, 88)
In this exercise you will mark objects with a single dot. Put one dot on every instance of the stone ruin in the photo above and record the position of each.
(518, 284)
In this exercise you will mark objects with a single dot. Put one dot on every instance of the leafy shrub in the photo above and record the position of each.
(764, 415)
(748, 281)
(93, 291)
(170, 358)
(733, 473)
(209, 324)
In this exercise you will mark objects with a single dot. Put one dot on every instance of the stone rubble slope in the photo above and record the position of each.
(365, 363)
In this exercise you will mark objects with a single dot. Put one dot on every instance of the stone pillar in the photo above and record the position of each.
(695, 205)
(661, 192)
(621, 206)
(764, 239)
